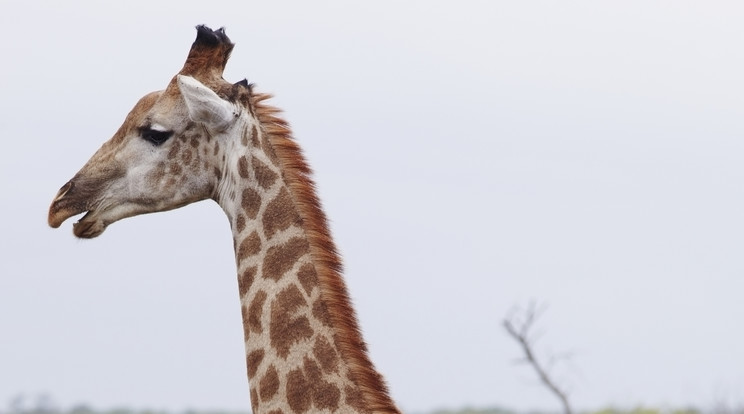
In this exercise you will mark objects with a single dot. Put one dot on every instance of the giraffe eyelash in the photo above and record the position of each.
(155, 136)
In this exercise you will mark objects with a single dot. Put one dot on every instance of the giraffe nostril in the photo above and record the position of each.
(64, 190)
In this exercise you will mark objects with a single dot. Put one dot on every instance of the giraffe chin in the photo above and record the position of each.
(88, 227)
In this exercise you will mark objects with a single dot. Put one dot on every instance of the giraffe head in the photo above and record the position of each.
(167, 152)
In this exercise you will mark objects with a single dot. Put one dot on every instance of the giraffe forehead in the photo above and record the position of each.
(146, 103)
(138, 116)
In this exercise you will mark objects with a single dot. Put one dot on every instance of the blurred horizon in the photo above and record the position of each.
(43, 403)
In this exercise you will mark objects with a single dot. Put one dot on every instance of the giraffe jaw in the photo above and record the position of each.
(96, 218)
(88, 226)
(101, 212)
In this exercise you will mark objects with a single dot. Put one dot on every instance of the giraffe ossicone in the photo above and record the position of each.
(204, 138)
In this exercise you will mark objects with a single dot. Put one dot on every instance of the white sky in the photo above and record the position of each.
(473, 157)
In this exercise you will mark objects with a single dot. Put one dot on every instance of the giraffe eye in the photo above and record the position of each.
(155, 136)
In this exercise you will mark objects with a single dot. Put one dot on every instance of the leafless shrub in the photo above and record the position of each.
(519, 325)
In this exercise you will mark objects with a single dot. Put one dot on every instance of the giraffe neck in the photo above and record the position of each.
(300, 331)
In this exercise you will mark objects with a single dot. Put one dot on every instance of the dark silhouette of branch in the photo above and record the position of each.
(519, 330)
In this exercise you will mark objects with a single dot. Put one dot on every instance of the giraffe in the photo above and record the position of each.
(205, 138)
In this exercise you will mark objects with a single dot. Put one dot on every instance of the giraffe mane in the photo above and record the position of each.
(298, 175)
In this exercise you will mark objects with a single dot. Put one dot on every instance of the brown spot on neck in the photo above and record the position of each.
(269, 384)
(264, 176)
(306, 388)
(246, 280)
(320, 312)
(240, 223)
(243, 167)
(268, 149)
(280, 259)
(307, 277)
(254, 136)
(251, 202)
(280, 214)
(255, 310)
(287, 328)
(253, 360)
(326, 355)
(250, 246)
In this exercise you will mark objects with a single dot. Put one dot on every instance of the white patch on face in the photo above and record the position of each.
(158, 127)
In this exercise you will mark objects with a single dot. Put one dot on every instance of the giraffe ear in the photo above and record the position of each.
(205, 106)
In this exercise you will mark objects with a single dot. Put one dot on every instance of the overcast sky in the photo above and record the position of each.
(587, 155)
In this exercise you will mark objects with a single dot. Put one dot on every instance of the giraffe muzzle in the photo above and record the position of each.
(63, 206)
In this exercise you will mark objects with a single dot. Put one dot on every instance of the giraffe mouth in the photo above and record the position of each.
(86, 227)
(66, 205)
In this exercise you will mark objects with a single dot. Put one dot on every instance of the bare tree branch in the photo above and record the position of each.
(520, 332)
